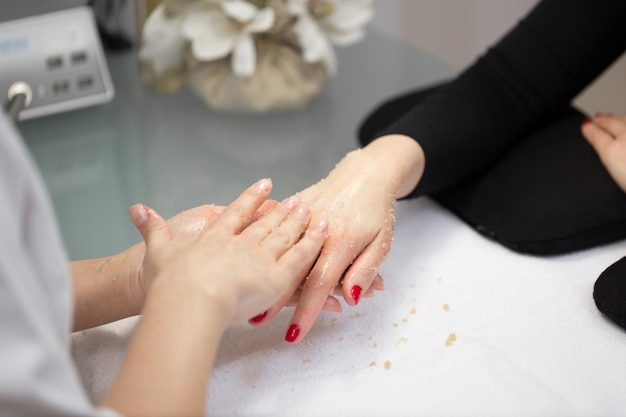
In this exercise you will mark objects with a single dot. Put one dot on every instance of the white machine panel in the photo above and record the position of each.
(59, 55)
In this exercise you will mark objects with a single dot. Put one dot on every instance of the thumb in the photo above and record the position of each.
(150, 224)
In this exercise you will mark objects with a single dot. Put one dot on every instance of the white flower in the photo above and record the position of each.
(163, 44)
(321, 22)
(216, 32)
(344, 20)
(316, 46)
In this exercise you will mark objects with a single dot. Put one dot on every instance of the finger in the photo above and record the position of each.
(598, 138)
(331, 304)
(302, 255)
(292, 296)
(153, 228)
(265, 207)
(378, 283)
(337, 289)
(266, 224)
(193, 221)
(299, 258)
(328, 270)
(238, 214)
(369, 293)
(212, 211)
(612, 124)
(360, 275)
(286, 234)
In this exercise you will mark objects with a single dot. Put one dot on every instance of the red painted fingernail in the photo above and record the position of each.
(586, 122)
(598, 114)
(259, 318)
(355, 292)
(292, 333)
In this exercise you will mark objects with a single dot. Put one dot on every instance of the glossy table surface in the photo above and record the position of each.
(173, 152)
(465, 327)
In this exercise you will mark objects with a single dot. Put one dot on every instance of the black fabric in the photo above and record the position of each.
(519, 85)
(503, 148)
(548, 195)
(609, 292)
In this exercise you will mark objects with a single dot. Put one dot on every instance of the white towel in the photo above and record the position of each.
(465, 327)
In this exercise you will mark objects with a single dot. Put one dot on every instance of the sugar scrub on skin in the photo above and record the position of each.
(186, 224)
(196, 226)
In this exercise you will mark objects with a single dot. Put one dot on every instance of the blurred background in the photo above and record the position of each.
(455, 31)
(458, 30)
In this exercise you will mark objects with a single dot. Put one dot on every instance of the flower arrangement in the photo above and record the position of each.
(249, 55)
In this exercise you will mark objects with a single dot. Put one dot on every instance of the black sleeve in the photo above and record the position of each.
(522, 82)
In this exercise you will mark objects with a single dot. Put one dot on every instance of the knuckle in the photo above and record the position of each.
(153, 227)
(283, 238)
(338, 230)
(239, 210)
(305, 255)
(262, 229)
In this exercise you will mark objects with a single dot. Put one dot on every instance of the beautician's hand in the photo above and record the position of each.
(358, 199)
(607, 134)
(111, 288)
(193, 221)
(187, 223)
(245, 266)
(197, 286)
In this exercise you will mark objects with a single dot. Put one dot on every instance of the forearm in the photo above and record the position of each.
(169, 360)
(400, 158)
(105, 288)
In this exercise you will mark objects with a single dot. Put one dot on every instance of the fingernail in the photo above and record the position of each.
(586, 122)
(140, 216)
(259, 318)
(292, 202)
(355, 292)
(303, 209)
(292, 333)
(322, 226)
(597, 114)
(264, 184)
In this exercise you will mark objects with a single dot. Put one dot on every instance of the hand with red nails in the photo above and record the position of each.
(607, 134)
(357, 198)
(198, 285)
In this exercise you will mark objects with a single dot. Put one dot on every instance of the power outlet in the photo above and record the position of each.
(59, 56)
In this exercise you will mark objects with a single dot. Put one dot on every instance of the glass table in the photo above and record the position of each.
(172, 152)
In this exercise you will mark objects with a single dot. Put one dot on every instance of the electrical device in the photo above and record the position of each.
(52, 62)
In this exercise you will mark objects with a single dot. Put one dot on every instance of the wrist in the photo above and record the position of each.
(130, 264)
(170, 290)
(105, 289)
(401, 158)
(178, 335)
